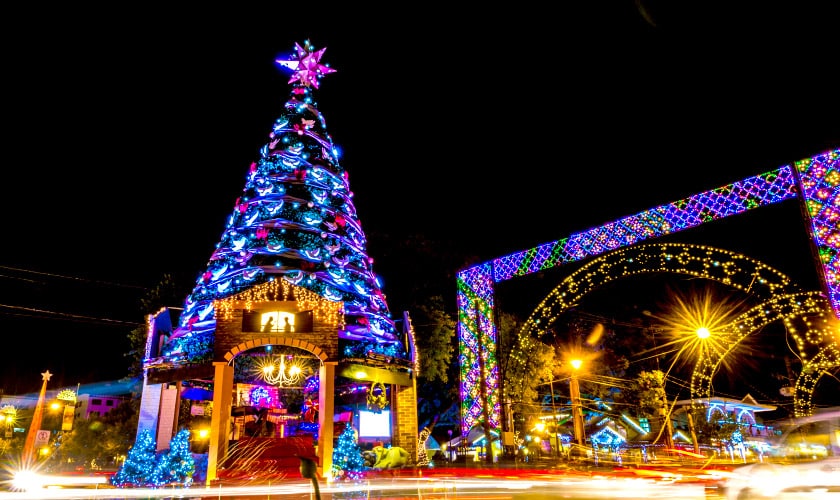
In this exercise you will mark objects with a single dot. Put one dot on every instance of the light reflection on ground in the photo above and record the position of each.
(432, 487)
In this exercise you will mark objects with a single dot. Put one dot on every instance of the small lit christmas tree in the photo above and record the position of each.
(139, 464)
(178, 465)
(348, 462)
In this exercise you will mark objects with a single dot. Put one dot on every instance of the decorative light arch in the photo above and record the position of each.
(780, 299)
(814, 181)
(817, 351)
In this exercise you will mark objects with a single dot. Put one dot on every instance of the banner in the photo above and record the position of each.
(67, 421)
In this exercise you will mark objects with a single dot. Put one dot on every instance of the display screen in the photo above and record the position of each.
(375, 424)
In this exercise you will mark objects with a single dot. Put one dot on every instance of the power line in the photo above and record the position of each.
(73, 278)
(67, 316)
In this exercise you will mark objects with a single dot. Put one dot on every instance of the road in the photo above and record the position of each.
(512, 484)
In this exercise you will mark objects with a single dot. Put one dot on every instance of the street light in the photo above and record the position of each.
(703, 333)
(574, 390)
(8, 415)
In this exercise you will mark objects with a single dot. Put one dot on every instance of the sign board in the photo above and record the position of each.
(42, 438)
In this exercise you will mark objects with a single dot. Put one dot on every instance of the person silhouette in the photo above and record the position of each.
(287, 327)
(269, 325)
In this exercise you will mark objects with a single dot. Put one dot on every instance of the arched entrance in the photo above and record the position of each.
(261, 404)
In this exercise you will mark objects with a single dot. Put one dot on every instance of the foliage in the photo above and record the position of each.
(434, 331)
(137, 350)
(648, 390)
(718, 429)
(530, 364)
(10, 447)
(166, 293)
(102, 439)
(507, 329)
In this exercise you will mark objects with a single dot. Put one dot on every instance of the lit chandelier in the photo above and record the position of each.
(275, 372)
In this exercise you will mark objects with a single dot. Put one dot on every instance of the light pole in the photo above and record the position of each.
(574, 391)
(556, 445)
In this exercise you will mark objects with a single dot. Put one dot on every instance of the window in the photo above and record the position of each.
(109, 402)
(303, 321)
(277, 321)
(269, 321)
(96, 402)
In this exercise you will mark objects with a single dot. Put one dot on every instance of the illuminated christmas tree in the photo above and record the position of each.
(348, 462)
(294, 221)
(139, 463)
(177, 465)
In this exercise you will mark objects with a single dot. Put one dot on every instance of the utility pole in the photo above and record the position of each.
(554, 417)
(577, 414)
(693, 431)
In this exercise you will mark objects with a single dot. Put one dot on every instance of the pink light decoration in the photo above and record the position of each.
(307, 67)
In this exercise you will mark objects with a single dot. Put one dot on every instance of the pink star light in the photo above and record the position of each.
(307, 67)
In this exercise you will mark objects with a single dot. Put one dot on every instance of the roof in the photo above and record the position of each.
(747, 403)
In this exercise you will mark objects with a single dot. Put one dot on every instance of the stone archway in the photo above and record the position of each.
(291, 342)
(326, 390)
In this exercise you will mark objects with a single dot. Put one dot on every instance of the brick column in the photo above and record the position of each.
(404, 418)
(220, 421)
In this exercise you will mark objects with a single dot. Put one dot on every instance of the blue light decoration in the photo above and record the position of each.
(814, 182)
(148, 468)
(607, 436)
(294, 221)
(260, 396)
(348, 463)
(139, 463)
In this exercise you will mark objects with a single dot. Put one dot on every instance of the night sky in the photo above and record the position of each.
(127, 139)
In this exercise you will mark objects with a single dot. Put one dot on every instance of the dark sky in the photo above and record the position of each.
(127, 137)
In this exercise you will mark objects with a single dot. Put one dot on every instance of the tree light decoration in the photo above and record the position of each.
(814, 182)
(145, 467)
(348, 462)
(422, 454)
(139, 463)
(294, 224)
(177, 465)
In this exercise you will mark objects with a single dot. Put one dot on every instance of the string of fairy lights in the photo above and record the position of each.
(324, 310)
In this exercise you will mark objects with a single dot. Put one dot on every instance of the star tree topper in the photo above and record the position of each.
(307, 66)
